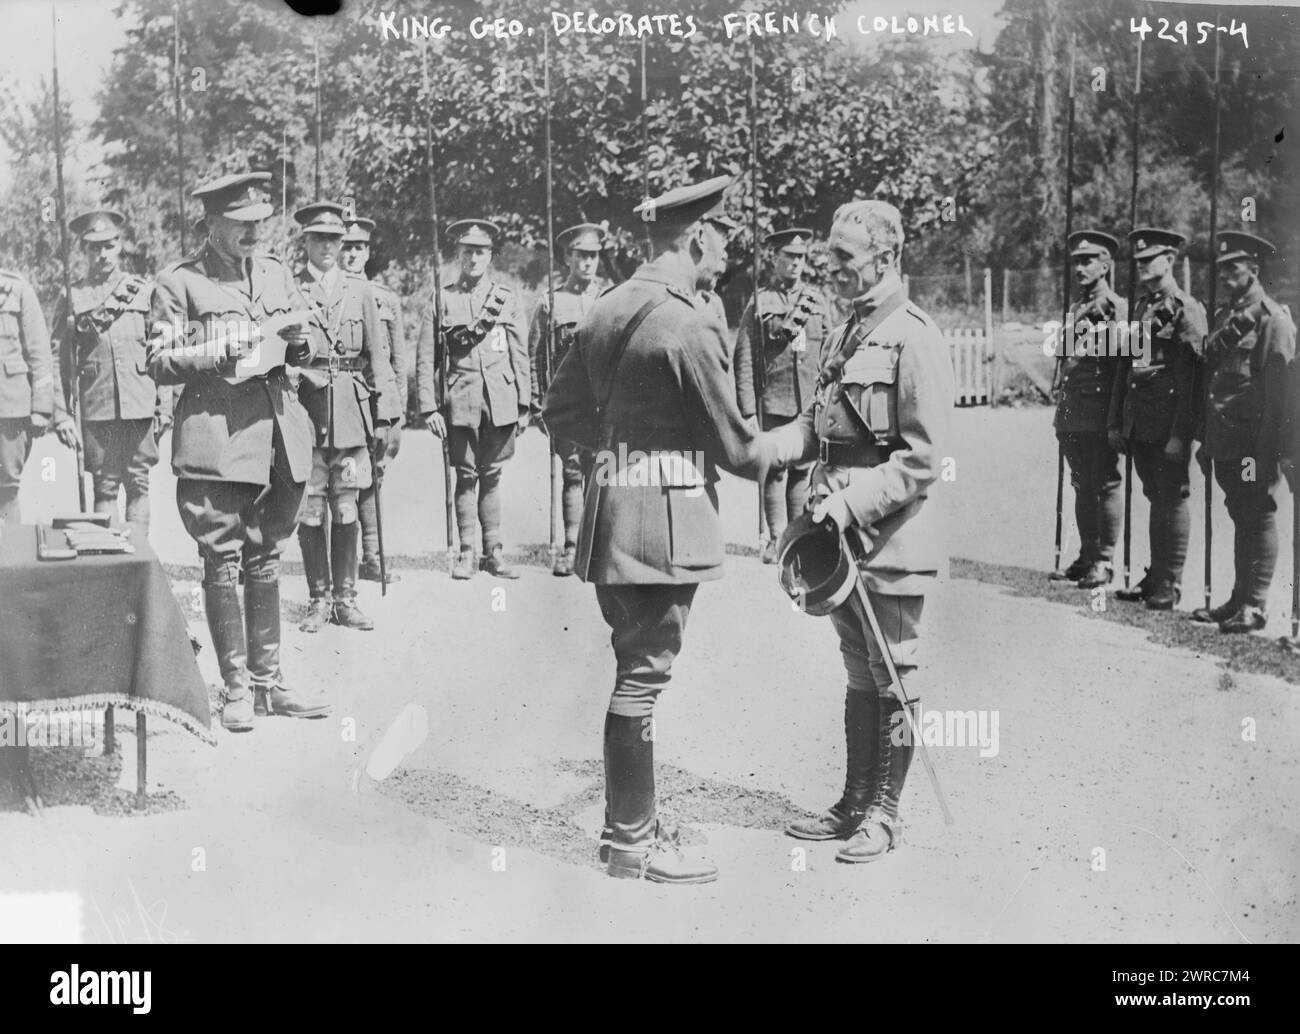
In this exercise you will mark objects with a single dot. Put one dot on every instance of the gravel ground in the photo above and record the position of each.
(1141, 789)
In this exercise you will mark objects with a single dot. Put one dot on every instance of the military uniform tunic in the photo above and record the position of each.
(26, 380)
(1082, 414)
(105, 369)
(1247, 356)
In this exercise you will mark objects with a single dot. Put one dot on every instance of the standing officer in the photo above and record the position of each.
(351, 353)
(877, 425)
(102, 356)
(794, 324)
(242, 444)
(648, 377)
(355, 255)
(484, 403)
(1153, 409)
(582, 245)
(1088, 370)
(1250, 347)
(27, 395)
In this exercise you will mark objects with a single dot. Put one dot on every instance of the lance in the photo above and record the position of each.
(180, 143)
(1214, 251)
(66, 333)
(1132, 286)
(1066, 330)
(548, 343)
(758, 347)
(439, 346)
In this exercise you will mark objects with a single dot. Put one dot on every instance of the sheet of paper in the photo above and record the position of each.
(268, 346)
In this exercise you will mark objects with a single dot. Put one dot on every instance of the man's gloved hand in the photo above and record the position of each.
(436, 423)
(66, 429)
(379, 444)
(1116, 441)
(834, 507)
(40, 424)
(522, 424)
(394, 443)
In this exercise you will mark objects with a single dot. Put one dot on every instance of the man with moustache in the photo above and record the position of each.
(574, 298)
(1247, 356)
(242, 444)
(647, 376)
(1087, 378)
(350, 348)
(353, 259)
(484, 404)
(877, 426)
(1153, 410)
(105, 370)
(793, 319)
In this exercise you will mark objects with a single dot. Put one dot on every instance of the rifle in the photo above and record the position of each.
(1209, 466)
(548, 355)
(1065, 307)
(440, 349)
(180, 142)
(68, 333)
(760, 353)
(1132, 287)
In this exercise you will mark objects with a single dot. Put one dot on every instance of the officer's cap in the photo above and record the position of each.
(476, 232)
(103, 224)
(1093, 242)
(359, 231)
(324, 217)
(812, 566)
(583, 237)
(695, 202)
(1233, 245)
(240, 197)
(793, 242)
(1148, 242)
(864, 227)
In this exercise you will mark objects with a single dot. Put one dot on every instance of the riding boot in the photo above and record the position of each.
(262, 623)
(880, 829)
(316, 566)
(861, 716)
(343, 566)
(226, 626)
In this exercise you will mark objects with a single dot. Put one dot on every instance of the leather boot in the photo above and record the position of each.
(1098, 573)
(369, 571)
(1138, 592)
(881, 830)
(1245, 619)
(640, 848)
(316, 565)
(1164, 596)
(343, 566)
(292, 703)
(262, 623)
(465, 566)
(861, 715)
(563, 566)
(226, 626)
(768, 553)
(1073, 573)
(495, 563)
(1215, 615)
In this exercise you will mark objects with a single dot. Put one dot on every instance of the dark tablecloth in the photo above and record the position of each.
(95, 631)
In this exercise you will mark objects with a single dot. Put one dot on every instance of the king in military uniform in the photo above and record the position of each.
(27, 395)
(242, 441)
(105, 370)
(355, 255)
(791, 326)
(1088, 367)
(483, 402)
(1153, 409)
(877, 425)
(647, 385)
(1250, 347)
(582, 245)
(350, 416)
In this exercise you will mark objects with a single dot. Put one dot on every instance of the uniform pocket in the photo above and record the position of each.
(15, 366)
(871, 387)
(694, 531)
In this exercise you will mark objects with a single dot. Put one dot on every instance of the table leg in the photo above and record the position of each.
(110, 731)
(141, 760)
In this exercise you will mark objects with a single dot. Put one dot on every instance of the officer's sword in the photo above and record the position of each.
(852, 545)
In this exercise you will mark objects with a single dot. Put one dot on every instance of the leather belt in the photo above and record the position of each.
(341, 362)
(850, 454)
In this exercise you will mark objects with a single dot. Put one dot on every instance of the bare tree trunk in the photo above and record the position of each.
(1048, 40)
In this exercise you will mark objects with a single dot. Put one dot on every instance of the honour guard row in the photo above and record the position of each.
(1226, 386)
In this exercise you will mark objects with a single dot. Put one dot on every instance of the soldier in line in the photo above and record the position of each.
(484, 403)
(242, 445)
(350, 349)
(101, 353)
(649, 375)
(877, 425)
(1250, 347)
(1088, 370)
(582, 245)
(27, 375)
(1153, 411)
(355, 255)
(793, 315)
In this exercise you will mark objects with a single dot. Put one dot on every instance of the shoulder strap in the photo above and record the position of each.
(624, 339)
(858, 334)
